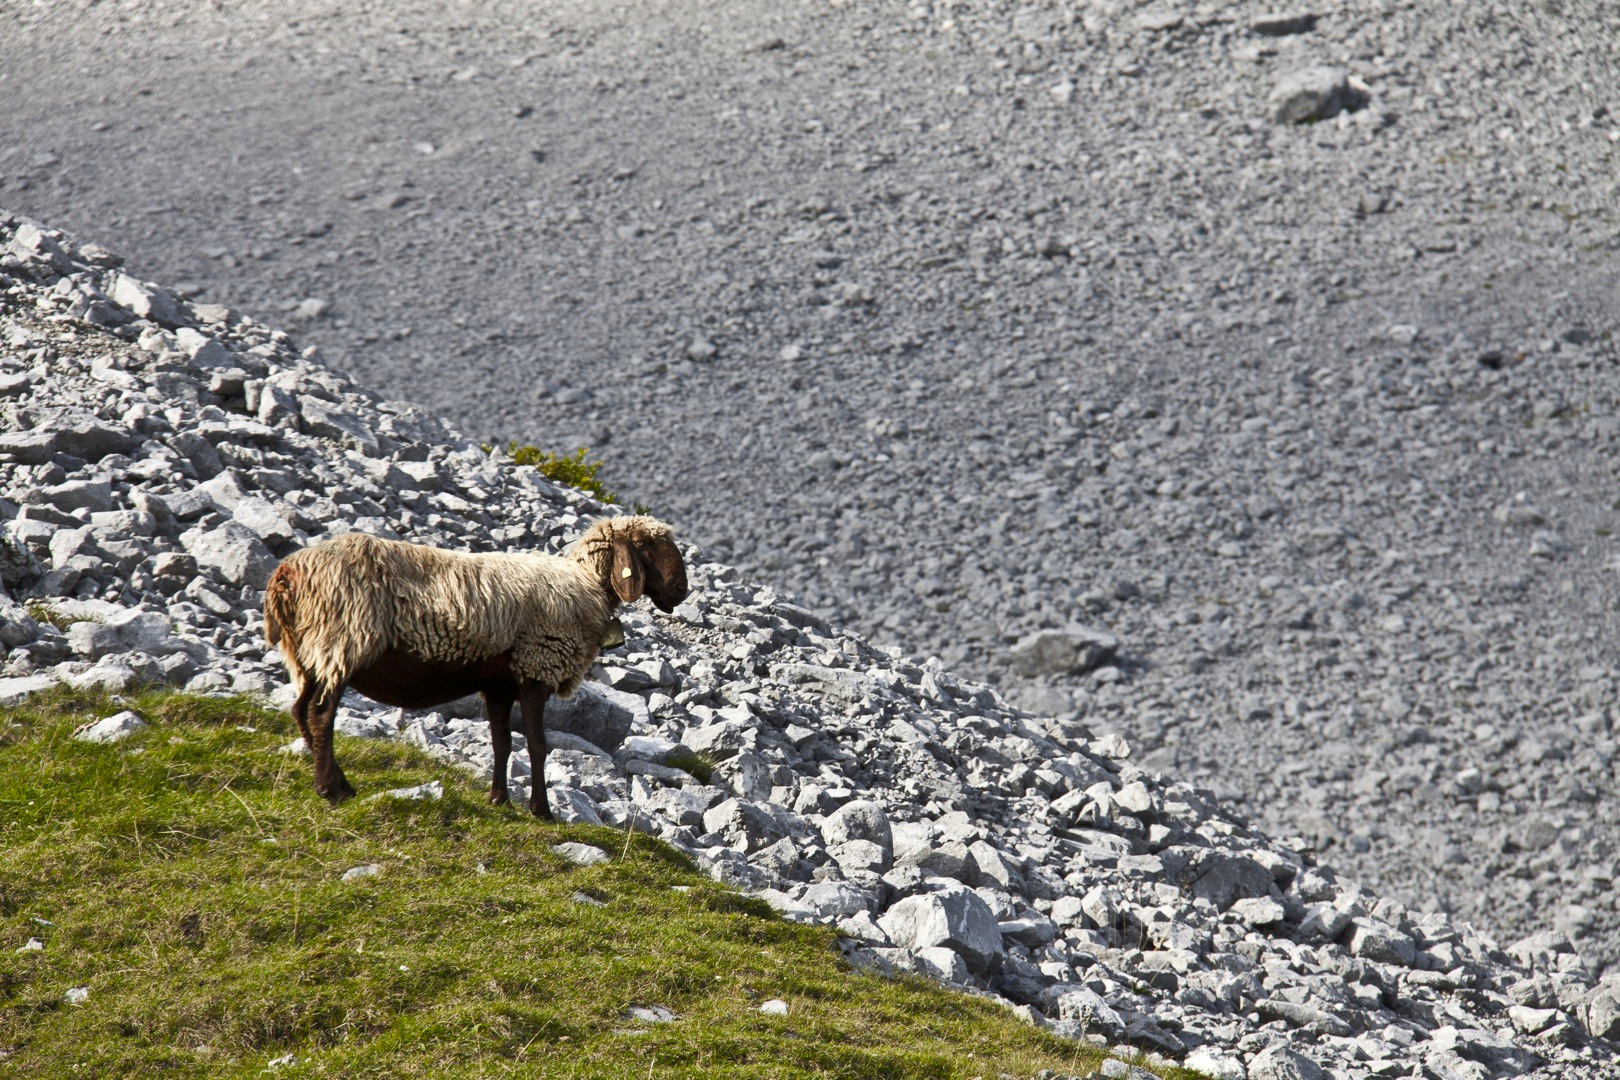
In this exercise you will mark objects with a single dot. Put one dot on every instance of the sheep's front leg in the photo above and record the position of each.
(498, 708)
(330, 783)
(533, 697)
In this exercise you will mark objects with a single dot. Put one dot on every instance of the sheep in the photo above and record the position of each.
(415, 626)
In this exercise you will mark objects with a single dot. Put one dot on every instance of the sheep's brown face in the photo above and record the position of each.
(666, 574)
(647, 563)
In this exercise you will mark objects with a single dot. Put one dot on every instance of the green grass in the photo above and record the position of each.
(699, 766)
(190, 878)
(42, 612)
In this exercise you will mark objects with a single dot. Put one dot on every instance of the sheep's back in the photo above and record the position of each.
(463, 608)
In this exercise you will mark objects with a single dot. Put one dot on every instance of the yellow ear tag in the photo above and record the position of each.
(625, 572)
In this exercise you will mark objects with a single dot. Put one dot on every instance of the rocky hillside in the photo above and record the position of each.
(159, 455)
(992, 330)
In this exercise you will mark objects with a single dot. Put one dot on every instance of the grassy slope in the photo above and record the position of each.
(191, 880)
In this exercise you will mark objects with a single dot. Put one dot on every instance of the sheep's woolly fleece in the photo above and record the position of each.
(158, 456)
(358, 596)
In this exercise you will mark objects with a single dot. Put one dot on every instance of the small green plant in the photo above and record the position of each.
(43, 612)
(571, 469)
(699, 766)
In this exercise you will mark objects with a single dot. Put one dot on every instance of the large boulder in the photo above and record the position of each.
(950, 859)
(955, 917)
(746, 827)
(1074, 649)
(146, 301)
(1452, 1049)
(1371, 939)
(1284, 1063)
(1216, 876)
(1601, 1009)
(837, 898)
(862, 819)
(263, 520)
(27, 447)
(39, 248)
(18, 567)
(127, 630)
(1313, 93)
(233, 551)
(592, 715)
(719, 740)
(15, 691)
(1085, 1008)
(70, 495)
(17, 627)
(91, 438)
(331, 422)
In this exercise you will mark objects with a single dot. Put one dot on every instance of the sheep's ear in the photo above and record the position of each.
(629, 579)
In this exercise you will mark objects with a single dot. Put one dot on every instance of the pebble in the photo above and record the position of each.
(581, 854)
(1283, 23)
(652, 1014)
(114, 728)
(432, 791)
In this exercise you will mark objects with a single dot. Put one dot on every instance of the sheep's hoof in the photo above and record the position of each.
(499, 798)
(540, 808)
(339, 796)
(337, 793)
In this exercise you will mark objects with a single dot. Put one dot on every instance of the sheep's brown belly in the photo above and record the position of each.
(398, 678)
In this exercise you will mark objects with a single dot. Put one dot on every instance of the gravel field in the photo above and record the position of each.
(1019, 335)
(157, 457)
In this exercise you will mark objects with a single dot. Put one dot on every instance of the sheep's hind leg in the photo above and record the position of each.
(330, 783)
(300, 712)
(498, 708)
(533, 698)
